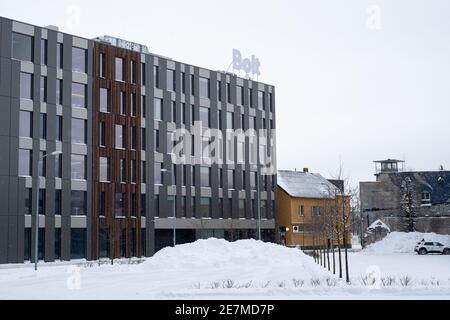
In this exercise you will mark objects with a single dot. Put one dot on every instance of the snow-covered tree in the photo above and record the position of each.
(409, 204)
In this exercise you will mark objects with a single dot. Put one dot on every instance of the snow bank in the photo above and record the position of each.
(230, 259)
(402, 242)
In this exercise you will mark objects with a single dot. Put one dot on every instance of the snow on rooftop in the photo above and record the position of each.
(379, 224)
(306, 185)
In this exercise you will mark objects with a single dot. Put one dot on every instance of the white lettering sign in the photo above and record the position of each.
(248, 65)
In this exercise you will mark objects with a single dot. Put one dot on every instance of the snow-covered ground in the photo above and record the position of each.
(216, 269)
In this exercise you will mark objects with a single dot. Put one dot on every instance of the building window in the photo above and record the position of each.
(219, 90)
(193, 118)
(25, 163)
(205, 117)
(59, 93)
(26, 124)
(298, 229)
(28, 201)
(143, 139)
(102, 65)
(26, 86)
(158, 105)
(171, 80)
(263, 209)
(120, 136)
(156, 203)
(133, 138)
(59, 55)
(43, 89)
(241, 208)
(143, 205)
(183, 206)
(42, 164)
(78, 167)
(183, 113)
(78, 95)
(122, 171)
(43, 51)
(156, 76)
(240, 95)
(143, 107)
(301, 211)
(78, 203)
(102, 134)
(58, 166)
(79, 131)
(261, 102)
(58, 202)
(192, 85)
(426, 198)
(205, 177)
(230, 178)
(156, 139)
(250, 97)
(158, 173)
(133, 171)
(171, 206)
(229, 93)
(271, 102)
(183, 82)
(143, 74)
(120, 70)
(104, 169)
(315, 211)
(174, 112)
(205, 207)
(123, 102)
(42, 199)
(143, 172)
(220, 178)
(133, 208)
(219, 119)
(22, 47)
(102, 204)
(230, 120)
(77, 243)
(244, 183)
(204, 87)
(133, 71)
(104, 100)
(120, 204)
(133, 105)
(43, 126)
(79, 60)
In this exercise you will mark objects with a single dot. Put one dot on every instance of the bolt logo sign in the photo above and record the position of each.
(248, 65)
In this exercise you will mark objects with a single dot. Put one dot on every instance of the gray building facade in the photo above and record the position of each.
(49, 133)
(382, 199)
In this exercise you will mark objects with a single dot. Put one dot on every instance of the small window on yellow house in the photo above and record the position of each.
(301, 211)
(315, 210)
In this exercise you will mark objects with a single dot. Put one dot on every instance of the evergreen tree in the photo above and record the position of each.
(409, 204)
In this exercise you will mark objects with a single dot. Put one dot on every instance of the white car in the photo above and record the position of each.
(425, 247)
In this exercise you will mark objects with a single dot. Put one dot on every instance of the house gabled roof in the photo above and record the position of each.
(306, 185)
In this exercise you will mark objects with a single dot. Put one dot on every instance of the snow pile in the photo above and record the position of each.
(402, 242)
(245, 259)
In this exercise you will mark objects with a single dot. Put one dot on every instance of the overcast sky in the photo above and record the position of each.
(349, 86)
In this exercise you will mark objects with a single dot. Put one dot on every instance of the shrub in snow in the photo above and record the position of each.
(388, 281)
(266, 284)
(246, 285)
(298, 283)
(405, 281)
(331, 282)
(367, 280)
(315, 282)
(281, 284)
(228, 284)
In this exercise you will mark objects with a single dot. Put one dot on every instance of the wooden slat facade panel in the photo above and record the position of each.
(114, 225)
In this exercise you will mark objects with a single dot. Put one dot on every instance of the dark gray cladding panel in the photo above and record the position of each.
(5, 121)
(12, 239)
(5, 77)
(4, 159)
(6, 33)
(13, 156)
(13, 196)
(3, 239)
(4, 191)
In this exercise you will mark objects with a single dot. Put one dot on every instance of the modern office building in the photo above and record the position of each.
(86, 131)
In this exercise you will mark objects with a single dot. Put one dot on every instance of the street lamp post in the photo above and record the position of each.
(36, 234)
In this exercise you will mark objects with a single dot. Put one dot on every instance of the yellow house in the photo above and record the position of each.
(309, 213)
